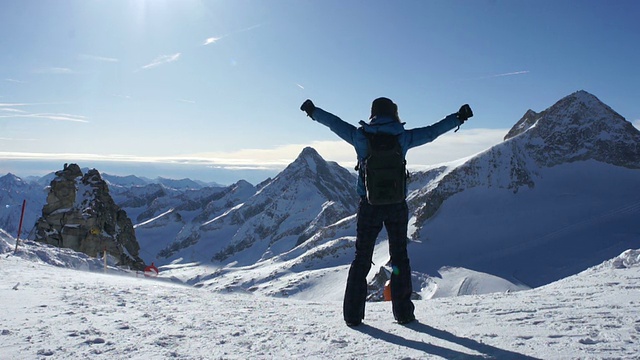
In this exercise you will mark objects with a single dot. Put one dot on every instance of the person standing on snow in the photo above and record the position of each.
(394, 216)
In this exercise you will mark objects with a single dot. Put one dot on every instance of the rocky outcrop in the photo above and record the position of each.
(81, 215)
(375, 287)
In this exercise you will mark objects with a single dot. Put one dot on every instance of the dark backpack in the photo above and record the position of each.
(384, 170)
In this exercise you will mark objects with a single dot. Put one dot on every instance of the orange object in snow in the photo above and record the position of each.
(151, 270)
(387, 291)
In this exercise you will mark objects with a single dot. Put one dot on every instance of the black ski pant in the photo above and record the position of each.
(370, 220)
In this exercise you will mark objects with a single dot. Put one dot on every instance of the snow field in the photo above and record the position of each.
(60, 313)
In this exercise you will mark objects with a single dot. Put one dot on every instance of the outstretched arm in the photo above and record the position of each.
(423, 135)
(340, 127)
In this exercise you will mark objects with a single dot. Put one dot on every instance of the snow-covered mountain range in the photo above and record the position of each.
(557, 196)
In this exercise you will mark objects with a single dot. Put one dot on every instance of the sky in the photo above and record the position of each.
(211, 90)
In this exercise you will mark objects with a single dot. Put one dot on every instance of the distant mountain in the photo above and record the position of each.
(307, 196)
(579, 127)
(168, 219)
(181, 184)
(130, 180)
(13, 191)
(142, 198)
(557, 196)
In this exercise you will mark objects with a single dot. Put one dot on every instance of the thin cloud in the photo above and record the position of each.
(26, 104)
(50, 156)
(447, 148)
(187, 101)
(3, 105)
(512, 73)
(248, 159)
(493, 76)
(504, 74)
(15, 81)
(249, 28)
(300, 86)
(49, 116)
(161, 60)
(97, 58)
(214, 39)
(12, 110)
(16, 139)
(185, 160)
(19, 113)
(54, 71)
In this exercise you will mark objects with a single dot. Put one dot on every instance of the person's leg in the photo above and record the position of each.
(401, 288)
(369, 225)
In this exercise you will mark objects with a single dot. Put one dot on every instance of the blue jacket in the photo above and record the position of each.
(409, 138)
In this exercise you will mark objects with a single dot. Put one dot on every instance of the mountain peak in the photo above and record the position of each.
(581, 105)
(309, 152)
(527, 121)
(578, 127)
(575, 110)
(10, 179)
(306, 196)
(583, 95)
(310, 159)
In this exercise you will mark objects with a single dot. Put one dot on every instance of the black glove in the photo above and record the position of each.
(465, 113)
(308, 107)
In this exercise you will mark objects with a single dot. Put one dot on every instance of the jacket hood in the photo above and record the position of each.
(383, 124)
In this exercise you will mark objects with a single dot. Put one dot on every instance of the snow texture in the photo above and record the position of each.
(62, 312)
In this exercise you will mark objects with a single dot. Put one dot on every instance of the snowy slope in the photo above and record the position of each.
(162, 213)
(573, 218)
(62, 313)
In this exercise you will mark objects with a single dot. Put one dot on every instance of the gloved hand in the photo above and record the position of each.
(465, 113)
(308, 107)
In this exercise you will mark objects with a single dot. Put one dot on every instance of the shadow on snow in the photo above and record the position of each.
(487, 351)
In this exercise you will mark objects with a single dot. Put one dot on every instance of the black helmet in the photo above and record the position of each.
(383, 107)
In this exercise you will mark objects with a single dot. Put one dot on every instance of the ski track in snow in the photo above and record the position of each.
(59, 313)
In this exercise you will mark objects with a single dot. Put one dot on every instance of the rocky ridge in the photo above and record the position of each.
(81, 215)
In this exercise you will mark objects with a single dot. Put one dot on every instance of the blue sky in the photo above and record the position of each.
(211, 89)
